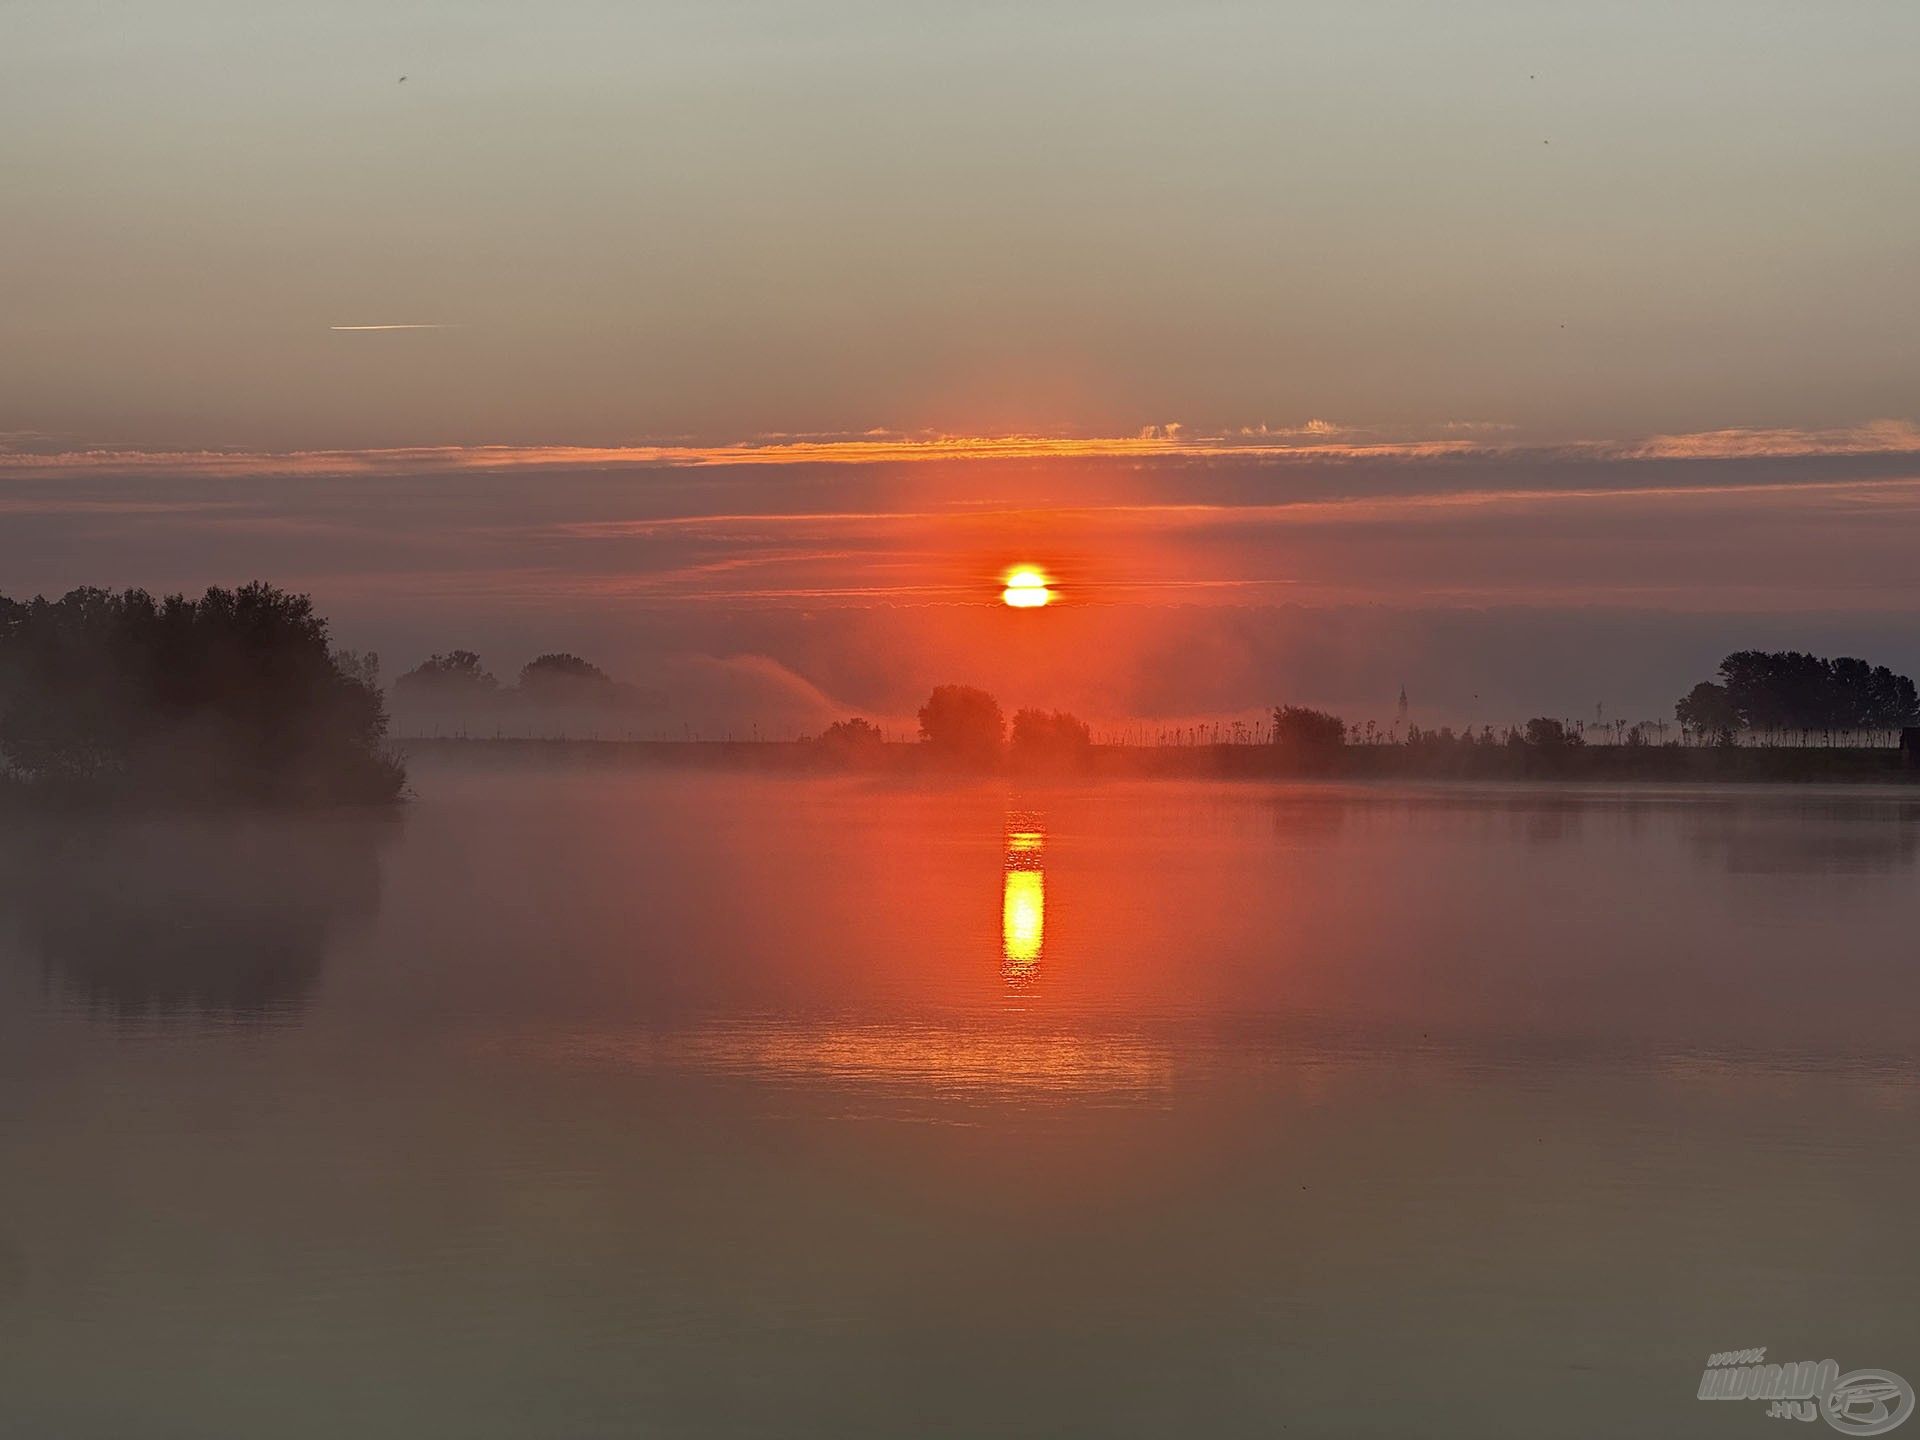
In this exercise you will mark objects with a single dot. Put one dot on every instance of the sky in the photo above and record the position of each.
(1528, 355)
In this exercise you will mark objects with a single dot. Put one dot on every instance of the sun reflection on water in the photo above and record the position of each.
(1023, 905)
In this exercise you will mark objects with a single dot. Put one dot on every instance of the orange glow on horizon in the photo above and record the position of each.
(1027, 589)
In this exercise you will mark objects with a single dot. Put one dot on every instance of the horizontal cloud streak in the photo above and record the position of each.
(1355, 509)
(1308, 443)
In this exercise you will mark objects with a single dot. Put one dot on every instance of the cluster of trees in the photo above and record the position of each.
(1786, 693)
(456, 690)
(236, 695)
(964, 725)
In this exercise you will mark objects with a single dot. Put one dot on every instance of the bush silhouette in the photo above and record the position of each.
(565, 679)
(848, 739)
(1545, 734)
(1308, 731)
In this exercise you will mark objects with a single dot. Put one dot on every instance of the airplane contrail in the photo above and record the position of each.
(393, 327)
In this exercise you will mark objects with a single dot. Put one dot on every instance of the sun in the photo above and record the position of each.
(1026, 588)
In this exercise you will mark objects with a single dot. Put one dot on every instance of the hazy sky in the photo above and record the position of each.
(1507, 242)
(723, 219)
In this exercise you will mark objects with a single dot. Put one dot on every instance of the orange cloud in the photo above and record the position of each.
(1313, 441)
(1165, 442)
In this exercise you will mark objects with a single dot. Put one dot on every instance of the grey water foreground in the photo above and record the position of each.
(610, 1100)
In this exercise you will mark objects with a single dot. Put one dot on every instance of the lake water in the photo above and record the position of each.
(583, 1102)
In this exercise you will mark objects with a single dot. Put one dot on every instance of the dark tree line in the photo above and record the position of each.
(233, 696)
(1785, 692)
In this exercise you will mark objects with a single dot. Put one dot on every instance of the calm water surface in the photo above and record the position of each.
(625, 1102)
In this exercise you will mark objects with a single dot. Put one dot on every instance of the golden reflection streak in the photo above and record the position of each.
(1023, 917)
(1023, 902)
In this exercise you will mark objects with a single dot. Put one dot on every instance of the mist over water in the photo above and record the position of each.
(584, 1100)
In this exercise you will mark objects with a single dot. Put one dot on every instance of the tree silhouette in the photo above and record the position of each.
(962, 723)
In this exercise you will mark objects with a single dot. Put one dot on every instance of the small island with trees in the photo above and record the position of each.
(232, 698)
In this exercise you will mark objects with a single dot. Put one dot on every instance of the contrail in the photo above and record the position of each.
(393, 327)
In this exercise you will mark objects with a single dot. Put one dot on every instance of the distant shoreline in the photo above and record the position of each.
(1582, 764)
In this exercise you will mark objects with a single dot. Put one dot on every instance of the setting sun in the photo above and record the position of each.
(1026, 589)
